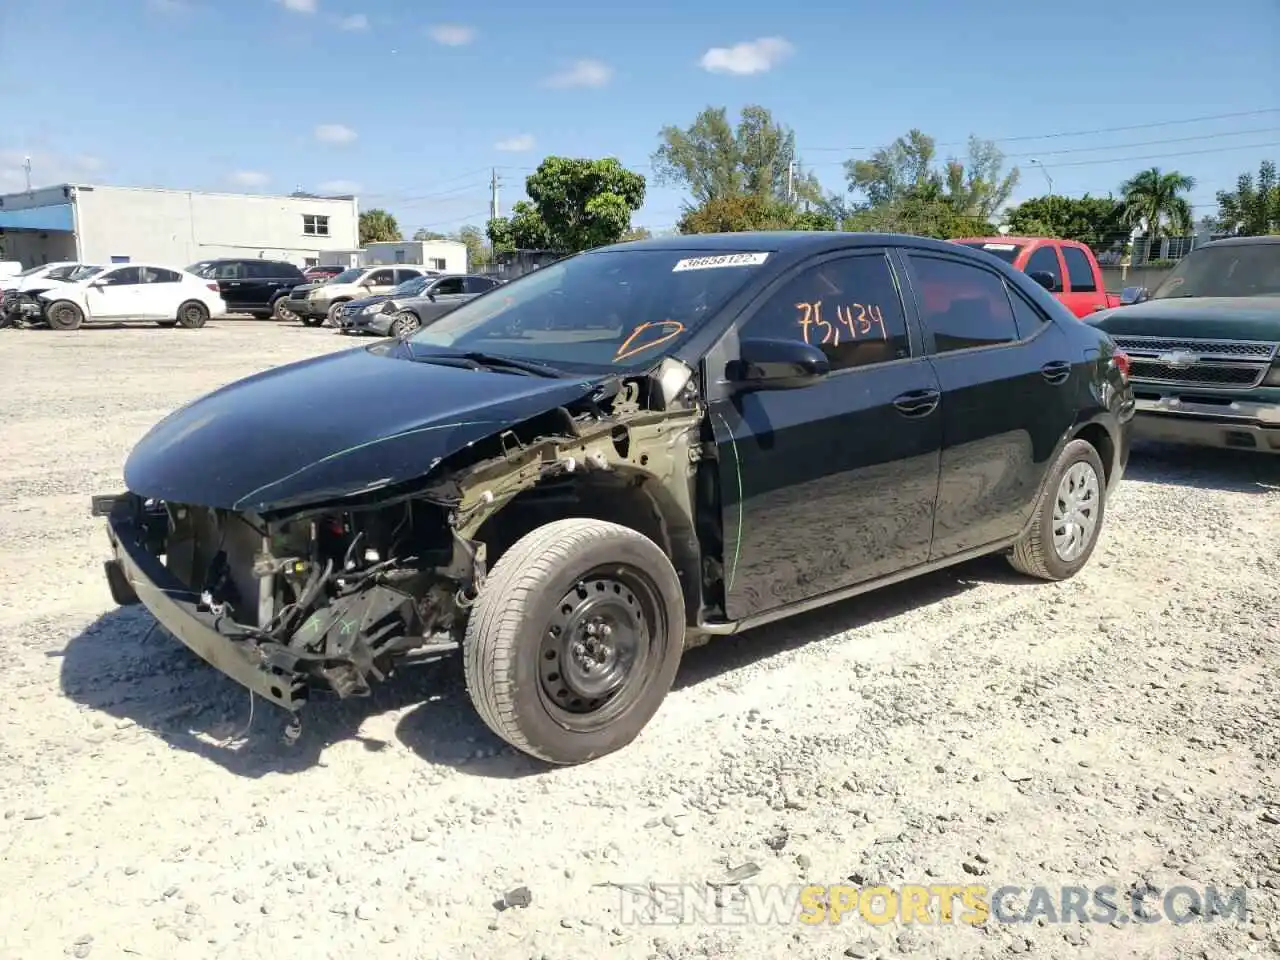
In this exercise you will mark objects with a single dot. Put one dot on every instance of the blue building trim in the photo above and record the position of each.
(58, 217)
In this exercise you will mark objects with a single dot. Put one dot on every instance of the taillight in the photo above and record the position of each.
(1121, 361)
(212, 286)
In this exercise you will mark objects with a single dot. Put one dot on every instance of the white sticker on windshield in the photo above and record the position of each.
(724, 260)
(999, 246)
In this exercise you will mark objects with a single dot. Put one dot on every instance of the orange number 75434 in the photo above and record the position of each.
(860, 320)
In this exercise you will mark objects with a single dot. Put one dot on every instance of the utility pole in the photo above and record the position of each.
(493, 194)
(791, 180)
(26, 166)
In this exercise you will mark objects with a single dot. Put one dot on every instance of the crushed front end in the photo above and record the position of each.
(284, 607)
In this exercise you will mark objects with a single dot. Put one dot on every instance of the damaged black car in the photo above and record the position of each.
(572, 479)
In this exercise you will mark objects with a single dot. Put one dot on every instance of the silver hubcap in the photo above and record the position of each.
(1075, 511)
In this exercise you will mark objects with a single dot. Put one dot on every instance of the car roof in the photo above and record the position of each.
(1022, 241)
(1239, 241)
(797, 242)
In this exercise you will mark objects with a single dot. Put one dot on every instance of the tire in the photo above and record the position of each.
(518, 631)
(1040, 553)
(64, 315)
(166, 323)
(405, 323)
(280, 311)
(193, 315)
(335, 310)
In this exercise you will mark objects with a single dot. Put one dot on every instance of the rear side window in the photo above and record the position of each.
(963, 305)
(849, 307)
(1079, 271)
(1045, 260)
(447, 287)
(479, 284)
(160, 275)
(1028, 318)
(230, 270)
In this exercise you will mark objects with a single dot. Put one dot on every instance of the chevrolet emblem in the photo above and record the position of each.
(1178, 359)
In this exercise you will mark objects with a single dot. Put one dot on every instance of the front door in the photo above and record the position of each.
(1082, 296)
(115, 294)
(833, 484)
(1008, 385)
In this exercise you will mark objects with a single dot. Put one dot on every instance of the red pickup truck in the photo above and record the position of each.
(1065, 268)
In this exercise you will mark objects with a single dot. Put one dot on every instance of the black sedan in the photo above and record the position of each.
(571, 480)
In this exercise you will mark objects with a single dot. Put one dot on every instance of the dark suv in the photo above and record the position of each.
(569, 481)
(253, 286)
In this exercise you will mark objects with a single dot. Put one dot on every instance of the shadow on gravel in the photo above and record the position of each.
(724, 654)
(122, 667)
(1235, 471)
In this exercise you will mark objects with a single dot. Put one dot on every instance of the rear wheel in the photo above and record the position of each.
(404, 323)
(1068, 517)
(193, 315)
(575, 640)
(64, 315)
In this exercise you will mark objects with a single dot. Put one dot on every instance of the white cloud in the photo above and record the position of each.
(452, 34)
(335, 133)
(582, 73)
(516, 144)
(356, 21)
(743, 59)
(249, 178)
(47, 169)
(299, 6)
(340, 186)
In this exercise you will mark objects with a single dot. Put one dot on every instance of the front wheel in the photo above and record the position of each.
(405, 323)
(1068, 517)
(574, 640)
(335, 313)
(64, 315)
(280, 311)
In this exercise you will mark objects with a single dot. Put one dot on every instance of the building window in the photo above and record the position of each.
(436, 263)
(314, 225)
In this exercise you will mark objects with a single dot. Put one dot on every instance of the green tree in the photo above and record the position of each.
(1155, 198)
(745, 211)
(477, 249)
(422, 233)
(1253, 208)
(522, 230)
(378, 226)
(925, 216)
(637, 233)
(1097, 221)
(584, 203)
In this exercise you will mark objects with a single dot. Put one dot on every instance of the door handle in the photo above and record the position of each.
(917, 403)
(1056, 371)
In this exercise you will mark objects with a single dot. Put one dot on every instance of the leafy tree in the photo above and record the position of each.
(921, 216)
(477, 249)
(422, 233)
(378, 226)
(1087, 219)
(713, 160)
(1253, 208)
(584, 203)
(741, 212)
(637, 233)
(1155, 198)
(522, 230)
(907, 170)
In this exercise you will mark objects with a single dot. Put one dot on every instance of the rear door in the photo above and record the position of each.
(161, 293)
(474, 286)
(232, 278)
(1008, 376)
(404, 275)
(1083, 295)
(832, 484)
(265, 280)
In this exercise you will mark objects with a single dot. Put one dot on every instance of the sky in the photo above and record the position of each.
(412, 105)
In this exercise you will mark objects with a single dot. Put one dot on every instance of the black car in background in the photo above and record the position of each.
(571, 480)
(253, 286)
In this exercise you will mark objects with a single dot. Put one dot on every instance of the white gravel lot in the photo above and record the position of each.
(1121, 729)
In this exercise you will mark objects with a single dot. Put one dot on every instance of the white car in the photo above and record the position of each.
(32, 276)
(134, 291)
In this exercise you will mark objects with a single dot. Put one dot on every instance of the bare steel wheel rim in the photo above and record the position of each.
(597, 648)
(193, 313)
(1075, 511)
(404, 323)
(66, 314)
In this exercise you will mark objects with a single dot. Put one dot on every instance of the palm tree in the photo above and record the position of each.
(1154, 197)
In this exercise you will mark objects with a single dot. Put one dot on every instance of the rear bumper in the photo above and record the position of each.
(133, 569)
(1237, 425)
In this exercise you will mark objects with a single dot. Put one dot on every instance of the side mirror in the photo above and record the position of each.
(1046, 278)
(1131, 295)
(766, 364)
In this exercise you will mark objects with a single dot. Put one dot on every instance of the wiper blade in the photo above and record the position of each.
(477, 360)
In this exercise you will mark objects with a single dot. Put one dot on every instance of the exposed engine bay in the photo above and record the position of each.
(336, 595)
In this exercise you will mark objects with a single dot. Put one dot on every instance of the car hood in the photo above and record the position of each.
(1214, 318)
(330, 427)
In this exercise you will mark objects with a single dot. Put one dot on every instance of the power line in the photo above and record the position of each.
(1081, 133)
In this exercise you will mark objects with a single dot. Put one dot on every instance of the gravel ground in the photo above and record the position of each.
(969, 727)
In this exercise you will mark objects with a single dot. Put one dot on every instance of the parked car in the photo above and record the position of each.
(135, 291)
(400, 314)
(322, 301)
(352, 310)
(249, 285)
(1065, 268)
(326, 272)
(1203, 347)
(18, 302)
(573, 479)
(60, 270)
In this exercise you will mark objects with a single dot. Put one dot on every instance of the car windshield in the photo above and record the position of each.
(85, 272)
(411, 288)
(1232, 270)
(201, 268)
(61, 273)
(1008, 252)
(30, 271)
(349, 276)
(604, 310)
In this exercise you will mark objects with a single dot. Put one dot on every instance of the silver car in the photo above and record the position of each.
(399, 316)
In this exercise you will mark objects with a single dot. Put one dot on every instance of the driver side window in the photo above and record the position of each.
(849, 307)
(122, 277)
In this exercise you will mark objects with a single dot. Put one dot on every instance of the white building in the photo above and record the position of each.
(97, 224)
(447, 256)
